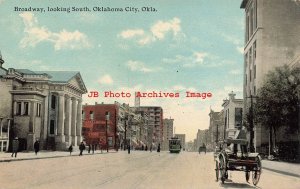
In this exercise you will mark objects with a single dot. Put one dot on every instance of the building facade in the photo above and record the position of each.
(155, 124)
(216, 129)
(167, 132)
(271, 40)
(233, 115)
(100, 125)
(202, 138)
(41, 105)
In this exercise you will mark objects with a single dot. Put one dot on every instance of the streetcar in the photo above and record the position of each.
(174, 145)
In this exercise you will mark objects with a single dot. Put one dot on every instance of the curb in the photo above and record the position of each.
(282, 172)
(48, 157)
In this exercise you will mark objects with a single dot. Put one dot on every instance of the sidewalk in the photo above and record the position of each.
(291, 169)
(6, 157)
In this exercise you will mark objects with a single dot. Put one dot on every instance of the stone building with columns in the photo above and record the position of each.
(42, 105)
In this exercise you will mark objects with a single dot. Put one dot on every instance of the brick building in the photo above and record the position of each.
(97, 127)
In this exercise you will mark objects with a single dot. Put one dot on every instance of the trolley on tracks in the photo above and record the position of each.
(174, 145)
(237, 159)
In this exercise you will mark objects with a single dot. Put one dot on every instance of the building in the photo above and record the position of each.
(167, 132)
(182, 140)
(233, 110)
(216, 129)
(271, 40)
(98, 127)
(202, 138)
(155, 124)
(41, 105)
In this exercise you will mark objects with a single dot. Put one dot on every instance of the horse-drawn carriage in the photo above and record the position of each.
(237, 159)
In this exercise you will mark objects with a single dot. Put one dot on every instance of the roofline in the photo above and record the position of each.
(243, 4)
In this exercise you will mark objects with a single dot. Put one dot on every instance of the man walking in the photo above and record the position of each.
(15, 147)
(81, 148)
(36, 147)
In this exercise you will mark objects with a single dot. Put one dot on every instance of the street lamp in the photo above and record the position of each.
(106, 120)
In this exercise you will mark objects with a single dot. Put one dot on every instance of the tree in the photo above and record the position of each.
(277, 102)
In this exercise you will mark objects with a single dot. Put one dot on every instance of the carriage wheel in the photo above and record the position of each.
(223, 171)
(247, 174)
(256, 173)
(217, 171)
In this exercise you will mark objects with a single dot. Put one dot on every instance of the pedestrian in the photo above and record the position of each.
(71, 149)
(89, 149)
(36, 146)
(128, 148)
(93, 148)
(146, 148)
(15, 147)
(81, 148)
(158, 148)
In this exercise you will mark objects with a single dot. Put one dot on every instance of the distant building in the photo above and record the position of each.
(167, 133)
(202, 138)
(155, 124)
(233, 111)
(43, 105)
(216, 129)
(271, 40)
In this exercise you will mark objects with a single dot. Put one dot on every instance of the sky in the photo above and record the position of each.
(174, 47)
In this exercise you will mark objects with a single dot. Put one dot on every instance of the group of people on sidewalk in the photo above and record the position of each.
(15, 147)
(82, 147)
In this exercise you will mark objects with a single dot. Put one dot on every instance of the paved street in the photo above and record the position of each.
(137, 170)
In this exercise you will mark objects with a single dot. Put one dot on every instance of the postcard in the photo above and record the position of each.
(149, 94)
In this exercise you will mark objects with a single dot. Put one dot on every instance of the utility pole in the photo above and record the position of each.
(125, 140)
(106, 120)
(217, 138)
(252, 149)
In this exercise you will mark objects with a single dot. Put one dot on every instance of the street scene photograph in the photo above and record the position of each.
(149, 94)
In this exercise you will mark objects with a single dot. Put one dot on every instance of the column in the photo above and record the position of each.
(8, 128)
(1, 125)
(73, 121)
(79, 121)
(60, 138)
(31, 116)
(30, 135)
(68, 120)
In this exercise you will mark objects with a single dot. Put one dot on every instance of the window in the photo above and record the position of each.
(247, 28)
(26, 108)
(91, 115)
(255, 14)
(250, 57)
(254, 51)
(52, 127)
(38, 109)
(251, 22)
(19, 108)
(83, 114)
(254, 71)
(238, 117)
(53, 101)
